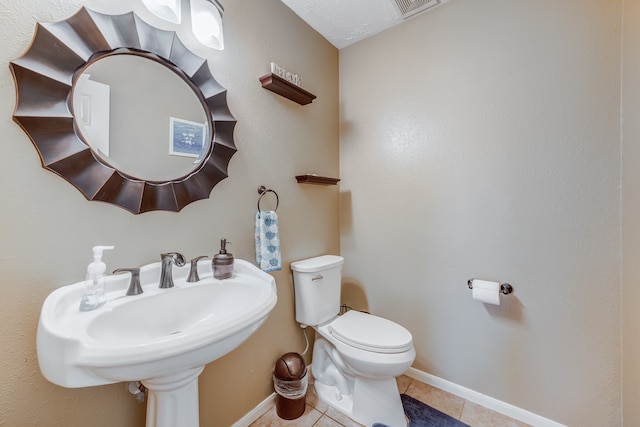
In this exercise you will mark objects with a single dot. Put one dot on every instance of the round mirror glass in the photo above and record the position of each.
(141, 118)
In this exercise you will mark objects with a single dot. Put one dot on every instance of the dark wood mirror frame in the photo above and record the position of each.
(45, 75)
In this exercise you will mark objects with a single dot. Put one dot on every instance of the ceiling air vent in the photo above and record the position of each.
(409, 8)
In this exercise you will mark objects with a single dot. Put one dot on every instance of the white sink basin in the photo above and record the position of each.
(155, 336)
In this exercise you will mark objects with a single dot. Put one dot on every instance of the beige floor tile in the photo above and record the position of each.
(341, 418)
(403, 383)
(436, 398)
(479, 416)
(334, 415)
(271, 419)
(320, 414)
(325, 421)
(314, 400)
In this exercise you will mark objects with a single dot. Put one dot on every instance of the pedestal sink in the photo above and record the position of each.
(162, 337)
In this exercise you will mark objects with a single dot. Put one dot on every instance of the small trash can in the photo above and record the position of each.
(290, 383)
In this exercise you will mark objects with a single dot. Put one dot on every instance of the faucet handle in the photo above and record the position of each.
(134, 285)
(193, 272)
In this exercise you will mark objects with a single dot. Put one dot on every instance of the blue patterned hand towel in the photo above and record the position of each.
(268, 255)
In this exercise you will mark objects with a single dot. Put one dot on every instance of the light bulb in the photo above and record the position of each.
(169, 10)
(206, 21)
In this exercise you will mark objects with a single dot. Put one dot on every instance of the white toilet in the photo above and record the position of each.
(356, 356)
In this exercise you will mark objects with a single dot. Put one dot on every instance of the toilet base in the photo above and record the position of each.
(372, 401)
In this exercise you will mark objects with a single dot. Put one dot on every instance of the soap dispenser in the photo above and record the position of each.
(222, 262)
(94, 284)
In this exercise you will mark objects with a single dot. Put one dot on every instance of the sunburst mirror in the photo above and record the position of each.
(61, 119)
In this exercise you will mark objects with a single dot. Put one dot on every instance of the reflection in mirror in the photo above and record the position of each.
(150, 134)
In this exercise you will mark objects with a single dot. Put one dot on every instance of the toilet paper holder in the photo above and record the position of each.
(505, 288)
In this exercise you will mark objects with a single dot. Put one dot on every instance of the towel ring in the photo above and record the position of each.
(262, 190)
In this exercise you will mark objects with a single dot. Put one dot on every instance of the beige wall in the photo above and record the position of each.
(482, 140)
(48, 228)
(631, 213)
(478, 140)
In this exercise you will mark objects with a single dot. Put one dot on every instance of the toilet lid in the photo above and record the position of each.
(371, 333)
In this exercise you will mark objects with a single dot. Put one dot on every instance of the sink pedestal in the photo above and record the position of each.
(172, 400)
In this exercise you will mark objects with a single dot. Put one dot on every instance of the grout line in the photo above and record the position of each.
(464, 403)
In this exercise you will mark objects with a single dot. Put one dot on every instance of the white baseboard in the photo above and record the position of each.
(482, 399)
(256, 412)
(458, 390)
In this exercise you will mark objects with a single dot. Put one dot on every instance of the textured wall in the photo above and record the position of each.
(482, 140)
(630, 213)
(47, 228)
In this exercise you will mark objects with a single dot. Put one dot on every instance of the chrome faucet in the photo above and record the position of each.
(168, 259)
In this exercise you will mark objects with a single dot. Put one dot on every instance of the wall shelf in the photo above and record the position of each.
(316, 179)
(287, 89)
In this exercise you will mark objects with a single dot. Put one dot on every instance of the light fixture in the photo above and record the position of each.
(169, 10)
(206, 22)
(206, 18)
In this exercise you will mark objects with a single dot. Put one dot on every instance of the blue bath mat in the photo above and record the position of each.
(422, 415)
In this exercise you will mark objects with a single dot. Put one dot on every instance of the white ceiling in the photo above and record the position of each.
(344, 22)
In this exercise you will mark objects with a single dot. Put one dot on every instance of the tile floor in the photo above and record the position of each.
(319, 414)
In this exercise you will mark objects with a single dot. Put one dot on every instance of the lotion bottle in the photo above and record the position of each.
(222, 262)
(94, 283)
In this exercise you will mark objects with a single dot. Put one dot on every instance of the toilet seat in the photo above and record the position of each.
(370, 333)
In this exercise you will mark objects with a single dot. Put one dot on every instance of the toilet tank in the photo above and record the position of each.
(316, 283)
